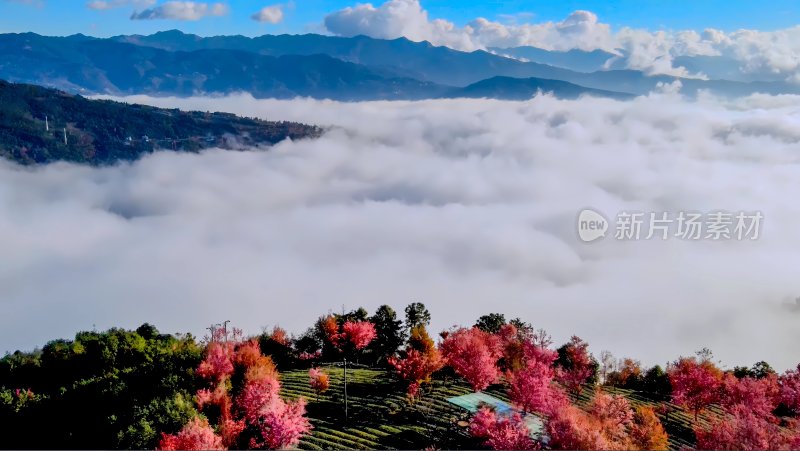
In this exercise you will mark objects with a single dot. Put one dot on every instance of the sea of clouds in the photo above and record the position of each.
(466, 205)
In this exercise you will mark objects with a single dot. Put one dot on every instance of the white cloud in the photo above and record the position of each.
(777, 51)
(466, 205)
(111, 4)
(406, 18)
(759, 53)
(579, 30)
(269, 14)
(180, 10)
(394, 19)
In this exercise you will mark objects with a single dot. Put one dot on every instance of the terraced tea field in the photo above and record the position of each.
(379, 413)
(380, 416)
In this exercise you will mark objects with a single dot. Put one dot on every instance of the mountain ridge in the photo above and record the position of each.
(310, 65)
(447, 66)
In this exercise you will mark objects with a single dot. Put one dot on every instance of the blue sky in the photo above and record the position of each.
(61, 17)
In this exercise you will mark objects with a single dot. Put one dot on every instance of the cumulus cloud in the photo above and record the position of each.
(774, 54)
(111, 4)
(466, 205)
(180, 10)
(394, 19)
(579, 30)
(269, 14)
(777, 51)
(407, 18)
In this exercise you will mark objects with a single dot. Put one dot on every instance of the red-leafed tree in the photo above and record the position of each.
(319, 380)
(329, 329)
(280, 336)
(790, 390)
(473, 355)
(575, 364)
(501, 432)
(278, 345)
(196, 435)
(695, 385)
(358, 334)
(629, 372)
(513, 344)
(418, 362)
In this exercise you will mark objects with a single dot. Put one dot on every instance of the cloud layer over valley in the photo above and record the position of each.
(466, 205)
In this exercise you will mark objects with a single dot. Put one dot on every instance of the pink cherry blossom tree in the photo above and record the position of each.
(531, 387)
(743, 429)
(196, 435)
(247, 408)
(319, 380)
(790, 390)
(508, 432)
(358, 334)
(473, 355)
(418, 362)
(760, 395)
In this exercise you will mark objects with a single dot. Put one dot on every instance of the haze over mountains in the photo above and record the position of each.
(716, 67)
(340, 68)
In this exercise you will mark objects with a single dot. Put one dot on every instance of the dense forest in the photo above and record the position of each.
(39, 125)
(144, 389)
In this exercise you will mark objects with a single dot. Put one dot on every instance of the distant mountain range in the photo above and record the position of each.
(40, 125)
(357, 68)
(508, 88)
(577, 60)
(713, 67)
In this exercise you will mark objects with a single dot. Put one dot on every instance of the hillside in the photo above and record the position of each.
(131, 389)
(130, 384)
(35, 122)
